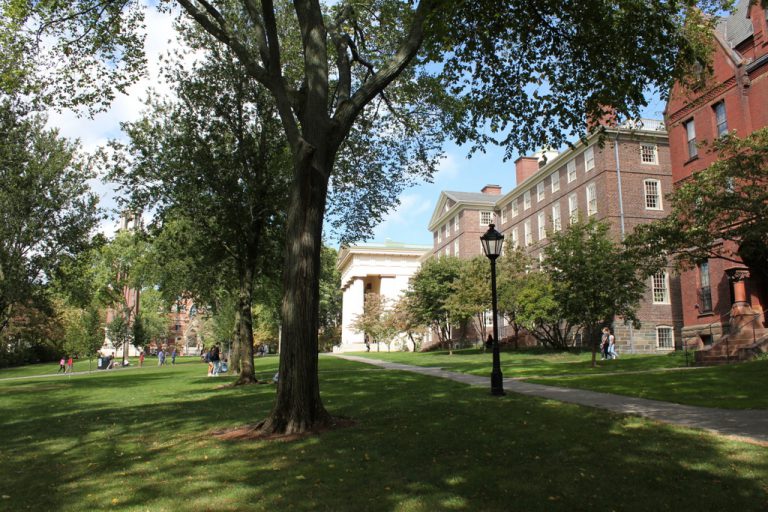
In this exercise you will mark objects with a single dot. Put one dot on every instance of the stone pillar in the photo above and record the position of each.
(352, 306)
(742, 314)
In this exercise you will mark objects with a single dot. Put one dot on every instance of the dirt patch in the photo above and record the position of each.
(253, 432)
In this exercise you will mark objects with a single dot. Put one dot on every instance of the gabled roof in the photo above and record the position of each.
(451, 202)
(736, 28)
(473, 197)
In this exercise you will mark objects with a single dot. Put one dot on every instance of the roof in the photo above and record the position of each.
(474, 197)
(737, 27)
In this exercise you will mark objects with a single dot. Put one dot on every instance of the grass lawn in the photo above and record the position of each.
(140, 440)
(737, 386)
(529, 363)
(80, 365)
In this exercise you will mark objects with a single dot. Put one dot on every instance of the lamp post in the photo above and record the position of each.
(492, 242)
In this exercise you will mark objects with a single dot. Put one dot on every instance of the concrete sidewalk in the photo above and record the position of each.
(752, 424)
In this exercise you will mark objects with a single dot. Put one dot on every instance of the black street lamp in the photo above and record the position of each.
(492, 242)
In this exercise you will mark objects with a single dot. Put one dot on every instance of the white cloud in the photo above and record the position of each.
(447, 169)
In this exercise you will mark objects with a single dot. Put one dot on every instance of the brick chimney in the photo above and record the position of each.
(525, 167)
(491, 190)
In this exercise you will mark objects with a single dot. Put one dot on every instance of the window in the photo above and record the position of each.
(665, 337)
(660, 288)
(556, 225)
(649, 154)
(571, 168)
(720, 120)
(456, 224)
(440, 234)
(542, 224)
(504, 215)
(515, 209)
(540, 191)
(573, 208)
(528, 234)
(690, 136)
(513, 237)
(486, 218)
(591, 199)
(652, 194)
(456, 247)
(554, 180)
(705, 290)
(447, 230)
(589, 159)
(527, 200)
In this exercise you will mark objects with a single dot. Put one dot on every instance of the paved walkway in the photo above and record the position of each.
(751, 424)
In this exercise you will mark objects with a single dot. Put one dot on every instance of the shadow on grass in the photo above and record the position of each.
(419, 444)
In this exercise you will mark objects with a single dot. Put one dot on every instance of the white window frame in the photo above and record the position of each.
(556, 221)
(671, 332)
(528, 233)
(456, 247)
(571, 170)
(651, 197)
(591, 199)
(690, 137)
(527, 200)
(589, 159)
(554, 180)
(440, 234)
(515, 208)
(540, 191)
(513, 237)
(660, 288)
(542, 225)
(504, 215)
(649, 153)
(488, 216)
(447, 230)
(573, 208)
(456, 223)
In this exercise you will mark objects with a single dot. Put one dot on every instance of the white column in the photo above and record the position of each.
(352, 306)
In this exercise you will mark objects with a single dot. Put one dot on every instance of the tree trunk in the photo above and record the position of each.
(234, 363)
(298, 407)
(245, 297)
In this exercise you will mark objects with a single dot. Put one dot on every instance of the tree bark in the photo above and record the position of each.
(245, 297)
(234, 363)
(298, 407)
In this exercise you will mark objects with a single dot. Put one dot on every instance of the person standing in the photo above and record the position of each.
(173, 357)
(216, 359)
(612, 348)
(141, 359)
(62, 365)
(70, 364)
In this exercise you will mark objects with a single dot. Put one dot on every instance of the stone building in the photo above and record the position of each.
(623, 181)
(382, 269)
(734, 99)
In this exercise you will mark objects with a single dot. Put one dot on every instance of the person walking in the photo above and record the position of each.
(160, 357)
(612, 348)
(605, 342)
(70, 365)
(216, 359)
(62, 365)
(141, 359)
(173, 357)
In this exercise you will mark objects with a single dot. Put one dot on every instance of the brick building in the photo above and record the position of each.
(623, 182)
(734, 99)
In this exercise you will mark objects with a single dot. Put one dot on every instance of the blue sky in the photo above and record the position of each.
(407, 223)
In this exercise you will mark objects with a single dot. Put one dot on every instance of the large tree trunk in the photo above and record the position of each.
(234, 363)
(298, 407)
(245, 297)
